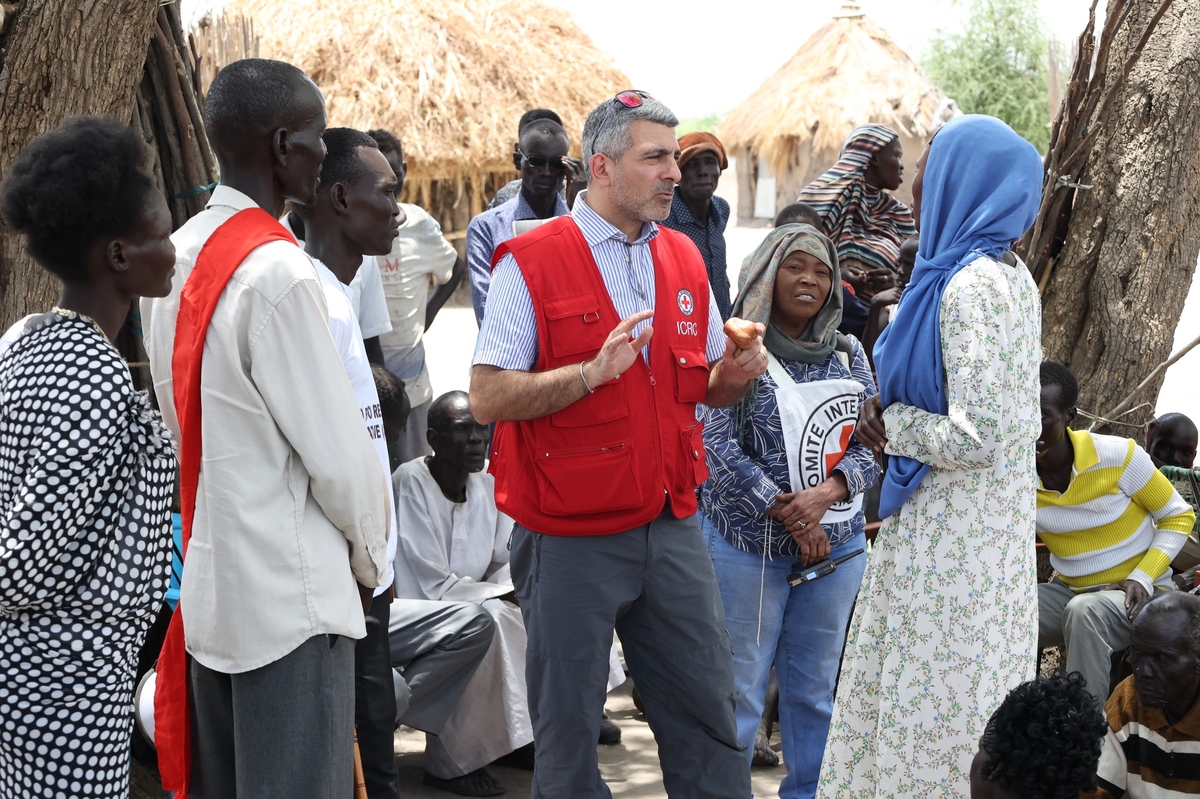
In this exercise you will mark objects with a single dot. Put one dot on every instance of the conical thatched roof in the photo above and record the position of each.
(847, 74)
(450, 77)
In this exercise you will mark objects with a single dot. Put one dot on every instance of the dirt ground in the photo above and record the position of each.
(630, 768)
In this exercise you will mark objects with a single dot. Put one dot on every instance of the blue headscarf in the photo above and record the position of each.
(982, 184)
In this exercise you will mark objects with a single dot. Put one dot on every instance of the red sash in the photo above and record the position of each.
(219, 258)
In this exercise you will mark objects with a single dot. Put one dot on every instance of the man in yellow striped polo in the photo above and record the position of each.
(1112, 523)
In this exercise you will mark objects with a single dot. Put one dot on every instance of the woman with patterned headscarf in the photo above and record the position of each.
(947, 621)
(867, 224)
(786, 490)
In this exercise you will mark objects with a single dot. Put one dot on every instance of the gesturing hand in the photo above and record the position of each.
(743, 365)
(870, 430)
(619, 350)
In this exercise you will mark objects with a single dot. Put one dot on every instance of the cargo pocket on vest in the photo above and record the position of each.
(608, 403)
(691, 375)
(580, 482)
(573, 324)
(692, 462)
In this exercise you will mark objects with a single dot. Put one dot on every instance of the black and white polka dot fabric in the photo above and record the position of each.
(86, 474)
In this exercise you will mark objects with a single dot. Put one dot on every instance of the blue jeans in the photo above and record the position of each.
(801, 630)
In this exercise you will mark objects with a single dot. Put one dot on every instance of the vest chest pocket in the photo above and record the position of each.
(580, 482)
(691, 374)
(573, 325)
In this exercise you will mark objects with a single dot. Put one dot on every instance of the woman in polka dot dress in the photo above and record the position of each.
(86, 467)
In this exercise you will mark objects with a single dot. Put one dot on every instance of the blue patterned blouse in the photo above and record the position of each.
(746, 477)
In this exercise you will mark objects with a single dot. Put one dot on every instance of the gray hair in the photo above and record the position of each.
(614, 139)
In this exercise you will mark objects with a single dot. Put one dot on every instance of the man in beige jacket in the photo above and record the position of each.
(290, 525)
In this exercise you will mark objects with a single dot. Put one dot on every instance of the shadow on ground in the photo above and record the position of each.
(630, 768)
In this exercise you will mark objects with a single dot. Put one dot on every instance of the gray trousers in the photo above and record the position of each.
(283, 731)
(656, 585)
(1091, 626)
(435, 647)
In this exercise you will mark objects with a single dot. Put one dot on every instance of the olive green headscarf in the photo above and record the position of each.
(756, 293)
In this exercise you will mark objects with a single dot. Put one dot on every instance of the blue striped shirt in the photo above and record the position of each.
(508, 336)
(487, 232)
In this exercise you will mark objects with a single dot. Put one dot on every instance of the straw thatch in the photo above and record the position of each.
(847, 74)
(450, 77)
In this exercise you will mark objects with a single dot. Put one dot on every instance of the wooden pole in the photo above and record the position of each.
(360, 779)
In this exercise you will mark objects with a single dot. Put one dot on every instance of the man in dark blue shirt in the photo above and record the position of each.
(700, 215)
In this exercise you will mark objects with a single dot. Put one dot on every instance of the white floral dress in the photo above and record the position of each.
(946, 620)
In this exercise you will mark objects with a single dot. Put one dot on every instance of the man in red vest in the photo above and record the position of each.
(597, 456)
(284, 504)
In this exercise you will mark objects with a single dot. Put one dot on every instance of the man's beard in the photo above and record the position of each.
(643, 208)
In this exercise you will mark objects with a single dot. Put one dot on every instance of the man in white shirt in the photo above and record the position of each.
(354, 215)
(456, 548)
(421, 261)
(291, 507)
(366, 292)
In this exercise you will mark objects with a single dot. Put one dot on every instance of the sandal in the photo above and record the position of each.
(478, 783)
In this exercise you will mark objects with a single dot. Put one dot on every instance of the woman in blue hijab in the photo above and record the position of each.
(946, 621)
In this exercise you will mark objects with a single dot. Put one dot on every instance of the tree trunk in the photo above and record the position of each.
(1117, 289)
(60, 58)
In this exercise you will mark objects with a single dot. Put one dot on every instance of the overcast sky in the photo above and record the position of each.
(700, 63)
(705, 58)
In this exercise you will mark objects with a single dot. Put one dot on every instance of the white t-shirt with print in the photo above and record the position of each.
(420, 259)
(366, 292)
(347, 335)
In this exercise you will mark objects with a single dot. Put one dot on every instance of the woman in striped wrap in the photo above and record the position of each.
(867, 224)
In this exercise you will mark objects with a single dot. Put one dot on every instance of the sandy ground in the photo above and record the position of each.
(630, 768)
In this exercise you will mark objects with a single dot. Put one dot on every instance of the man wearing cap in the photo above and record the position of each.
(698, 214)
(597, 455)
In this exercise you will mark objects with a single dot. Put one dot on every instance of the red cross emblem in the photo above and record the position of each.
(686, 303)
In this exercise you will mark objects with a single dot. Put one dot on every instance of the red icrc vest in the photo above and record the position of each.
(606, 463)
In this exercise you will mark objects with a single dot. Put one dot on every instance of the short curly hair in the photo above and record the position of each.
(69, 188)
(386, 140)
(1044, 740)
(1053, 373)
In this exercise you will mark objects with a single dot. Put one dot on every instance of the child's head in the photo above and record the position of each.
(394, 407)
(1171, 441)
(1043, 742)
(798, 213)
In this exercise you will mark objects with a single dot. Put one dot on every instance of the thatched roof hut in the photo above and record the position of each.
(791, 129)
(450, 77)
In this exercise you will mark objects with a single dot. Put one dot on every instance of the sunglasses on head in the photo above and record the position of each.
(630, 98)
(537, 162)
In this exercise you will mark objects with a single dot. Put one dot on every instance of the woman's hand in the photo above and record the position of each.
(801, 512)
(870, 430)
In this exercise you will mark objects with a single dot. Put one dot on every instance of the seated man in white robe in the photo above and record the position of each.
(454, 547)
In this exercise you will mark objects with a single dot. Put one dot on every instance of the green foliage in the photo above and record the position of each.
(997, 64)
(706, 124)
